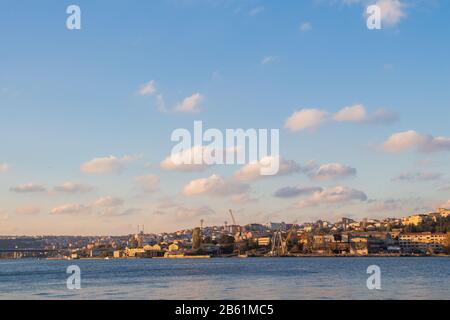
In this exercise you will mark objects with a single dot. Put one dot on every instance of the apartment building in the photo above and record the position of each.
(422, 242)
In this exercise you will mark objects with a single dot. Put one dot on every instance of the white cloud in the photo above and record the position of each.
(357, 113)
(312, 118)
(333, 171)
(292, 192)
(148, 183)
(328, 171)
(28, 188)
(72, 187)
(184, 161)
(190, 104)
(148, 89)
(252, 171)
(269, 60)
(305, 27)
(334, 195)
(105, 165)
(27, 210)
(175, 161)
(306, 119)
(108, 202)
(411, 140)
(215, 185)
(392, 11)
(255, 11)
(70, 209)
(4, 167)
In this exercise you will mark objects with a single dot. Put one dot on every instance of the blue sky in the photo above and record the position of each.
(68, 97)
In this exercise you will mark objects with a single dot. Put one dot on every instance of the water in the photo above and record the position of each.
(258, 278)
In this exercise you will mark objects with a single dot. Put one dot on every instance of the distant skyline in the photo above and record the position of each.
(87, 114)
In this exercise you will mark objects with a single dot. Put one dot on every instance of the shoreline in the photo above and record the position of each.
(240, 258)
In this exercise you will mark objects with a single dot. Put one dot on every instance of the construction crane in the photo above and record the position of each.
(280, 244)
(290, 235)
(238, 235)
(232, 217)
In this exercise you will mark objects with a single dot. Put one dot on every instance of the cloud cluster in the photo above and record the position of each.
(305, 27)
(392, 11)
(148, 89)
(184, 161)
(306, 119)
(28, 188)
(313, 118)
(252, 171)
(292, 192)
(255, 11)
(328, 171)
(107, 202)
(412, 140)
(333, 195)
(105, 165)
(215, 185)
(190, 104)
(70, 209)
(269, 60)
(73, 187)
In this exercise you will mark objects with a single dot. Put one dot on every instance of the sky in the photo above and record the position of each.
(87, 115)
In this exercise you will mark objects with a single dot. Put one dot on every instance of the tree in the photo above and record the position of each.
(196, 239)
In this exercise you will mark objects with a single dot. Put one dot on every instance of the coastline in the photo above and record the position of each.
(251, 257)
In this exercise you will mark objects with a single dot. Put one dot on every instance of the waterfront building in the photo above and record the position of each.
(424, 242)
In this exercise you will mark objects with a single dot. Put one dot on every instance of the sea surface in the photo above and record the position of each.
(252, 278)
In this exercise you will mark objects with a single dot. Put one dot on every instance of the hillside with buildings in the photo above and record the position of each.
(419, 234)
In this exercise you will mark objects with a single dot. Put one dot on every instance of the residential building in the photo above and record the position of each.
(422, 242)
